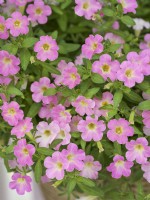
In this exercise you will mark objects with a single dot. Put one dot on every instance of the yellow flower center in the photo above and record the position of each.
(73, 76)
(38, 11)
(83, 103)
(7, 60)
(129, 73)
(91, 126)
(104, 103)
(94, 46)
(11, 111)
(25, 151)
(46, 47)
(24, 128)
(20, 180)
(119, 163)
(17, 23)
(70, 157)
(62, 133)
(139, 147)
(106, 68)
(89, 164)
(59, 165)
(119, 130)
(2, 28)
(44, 88)
(85, 5)
(47, 133)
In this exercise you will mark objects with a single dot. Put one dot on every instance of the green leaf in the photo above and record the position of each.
(133, 97)
(117, 98)
(65, 48)
(108, 12)
(83, 144)
(50, 92)
(49, 68)
(62, 22)
(55, 143)
(29, 42)
(12, 90)
(11, 48)
(137, 131)
(34, 109)
(145, 105)
(86, 181)
(114, 47)
(57, 10)
(71, 185)
(117, 148)
(54, 34)
(91, 92)
(96, 78)
(127, 20)
(45, 151)
(25, 58)
(66, 4)
(10, 148)
(85, 85)
(38, 171)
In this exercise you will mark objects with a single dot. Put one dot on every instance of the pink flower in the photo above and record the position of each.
(60, 114)
(106, 67)
(119, 130)
(142, 61)
(1, 1)
(39, 12)
(46, 133)
(18, 24)
(55, 166)
(11, 113)
(19, 2)
(74, 123)
(3, 30)
(74, 157)
(120, 167)
(79, 60)
(146, 43)
(130, 74)
(20, 183)
(71, 77)
(64, 134)
(138, 150)
(128, 5)
(9, 64)
(87, 8)
(107, 99)
(146, 116)
(83, 105)
(146, 131)
(91, 168)
(146, 169)
(24, 153)
(46, 48)
(23, 127)
(91, 129)
(116, 25)
(45, 111)
(93, 45)
(38, 89)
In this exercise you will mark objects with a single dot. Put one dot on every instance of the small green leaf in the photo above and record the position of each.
(38, 171)
(71, 185)
(54, 34)
(145, 105)
(86, 181)
(55, 143)
(114, 47)
(49, 68)
(96, 78)
(91, 92)
(25, 58)
(29, 42)
(50, 92)
(117, 98)
(65, 48)
(57, 10)
(12, 90)
(45, 151)
(62, 22)
(108, 12)
(127, 20)
(11, 48)
(34, 109)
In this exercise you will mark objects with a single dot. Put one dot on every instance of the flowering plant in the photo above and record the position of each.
(75, 95)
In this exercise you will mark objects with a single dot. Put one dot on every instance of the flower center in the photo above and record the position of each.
(129, 73)
(139, 147)
(59, 165)
(44, 88)
(38, 11)
(7, 60)
(94, 46)
(25, 151)
(123, 3)
(104, 103)
(70, 157)
(119, 130)
(91, 126)
(83, 103)
(106, 68)
(11, 111)
(62, 133)
(17, 23)
(24, 128)
(73, 76)
(85, 5)
(119, 163)
(20, 180)
(46, 47)
(2, 28)
(47, 133)
(89, 164)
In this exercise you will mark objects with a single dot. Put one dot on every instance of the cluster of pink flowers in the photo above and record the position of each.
(128, 5)
(70, 159)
